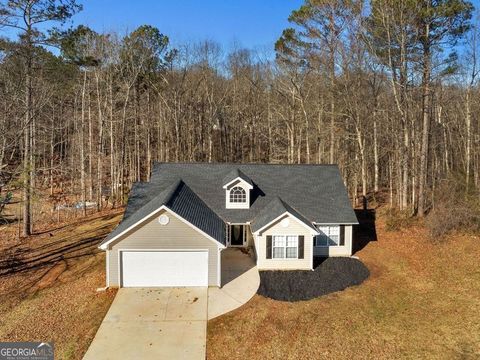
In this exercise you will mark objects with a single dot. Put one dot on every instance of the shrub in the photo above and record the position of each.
(397, 219)
(456, 208)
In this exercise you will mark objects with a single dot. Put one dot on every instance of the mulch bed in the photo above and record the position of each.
(330, 275)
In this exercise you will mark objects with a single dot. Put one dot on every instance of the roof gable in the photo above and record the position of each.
(276, 209)
(181, 200)
(234, 175)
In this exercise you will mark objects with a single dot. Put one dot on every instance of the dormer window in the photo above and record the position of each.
(238, 195)
(237, 187)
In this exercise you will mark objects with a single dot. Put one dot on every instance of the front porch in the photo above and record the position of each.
(239, 235)
(240, 281)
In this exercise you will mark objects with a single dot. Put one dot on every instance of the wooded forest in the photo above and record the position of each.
(386, 89)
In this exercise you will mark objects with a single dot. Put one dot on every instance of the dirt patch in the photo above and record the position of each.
(332, 274)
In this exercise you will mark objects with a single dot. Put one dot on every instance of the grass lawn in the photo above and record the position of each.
(422, 300)
(48, 285)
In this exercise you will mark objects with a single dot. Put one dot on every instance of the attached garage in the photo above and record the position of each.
(158, 253)
(173, 240)
(156, 268)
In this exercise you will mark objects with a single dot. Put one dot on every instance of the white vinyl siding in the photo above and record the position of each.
(276, 229)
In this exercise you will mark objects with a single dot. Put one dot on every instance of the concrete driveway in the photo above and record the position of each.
(156, 323)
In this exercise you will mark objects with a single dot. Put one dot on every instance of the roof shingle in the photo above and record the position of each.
(316, 191)
(315, 194)
(236, 174)
(273, 210)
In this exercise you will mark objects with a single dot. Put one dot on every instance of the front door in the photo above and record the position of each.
(237, 235)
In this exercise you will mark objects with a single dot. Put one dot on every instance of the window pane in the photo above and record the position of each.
(292, 241)
(279, 241)
(333, 240)
(238, 195)
(278, 253)
(329, 236)
(324, 230)
(321, 240)
(334, 230)
(291, 252)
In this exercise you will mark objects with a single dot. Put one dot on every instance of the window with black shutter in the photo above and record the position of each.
(269, 247)
(301, 246)
(342, 235)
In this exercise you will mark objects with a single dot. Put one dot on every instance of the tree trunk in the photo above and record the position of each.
(124, 144)
(27, 166)
(332, 86)
(468, 121)
(83, 188)
(422, 180)
(375, 153)
(90, 149)
(99, 146)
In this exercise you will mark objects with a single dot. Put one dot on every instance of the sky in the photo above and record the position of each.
(248, 23)
(254, 24)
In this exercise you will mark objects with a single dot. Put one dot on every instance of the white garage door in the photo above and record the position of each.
(164, 268)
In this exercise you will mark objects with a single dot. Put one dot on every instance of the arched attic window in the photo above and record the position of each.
(238, 195)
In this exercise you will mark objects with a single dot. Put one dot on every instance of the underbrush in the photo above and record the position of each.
(456, 209)
(398, 219)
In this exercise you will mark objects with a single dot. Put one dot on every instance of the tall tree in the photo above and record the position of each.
(144, 52)
(439, 23)
(391, 39)
(32, 19)
(77, 47)
(316, 43)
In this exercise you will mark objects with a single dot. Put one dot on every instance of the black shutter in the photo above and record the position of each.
(301, 246)
(342, 235)
(269, 246)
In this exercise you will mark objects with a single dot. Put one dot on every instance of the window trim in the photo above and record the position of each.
(327, 245)
(285, 247)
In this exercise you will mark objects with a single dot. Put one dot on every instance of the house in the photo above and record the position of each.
(176, 226)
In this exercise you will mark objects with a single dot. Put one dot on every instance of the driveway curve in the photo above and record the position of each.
(240, 281)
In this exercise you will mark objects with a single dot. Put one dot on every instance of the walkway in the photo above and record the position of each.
(240, 281)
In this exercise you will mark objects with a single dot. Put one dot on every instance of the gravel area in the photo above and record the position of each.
(330, 275)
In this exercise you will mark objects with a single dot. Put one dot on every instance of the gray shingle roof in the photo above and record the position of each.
(179, 198)
(190, 207)
(316, 191)
(313, 193)
(234, 174)
(273, 210)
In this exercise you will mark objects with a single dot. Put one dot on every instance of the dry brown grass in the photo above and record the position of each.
(48, 284)
(421, 301)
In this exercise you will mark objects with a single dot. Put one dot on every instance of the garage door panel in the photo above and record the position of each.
(164, 268)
